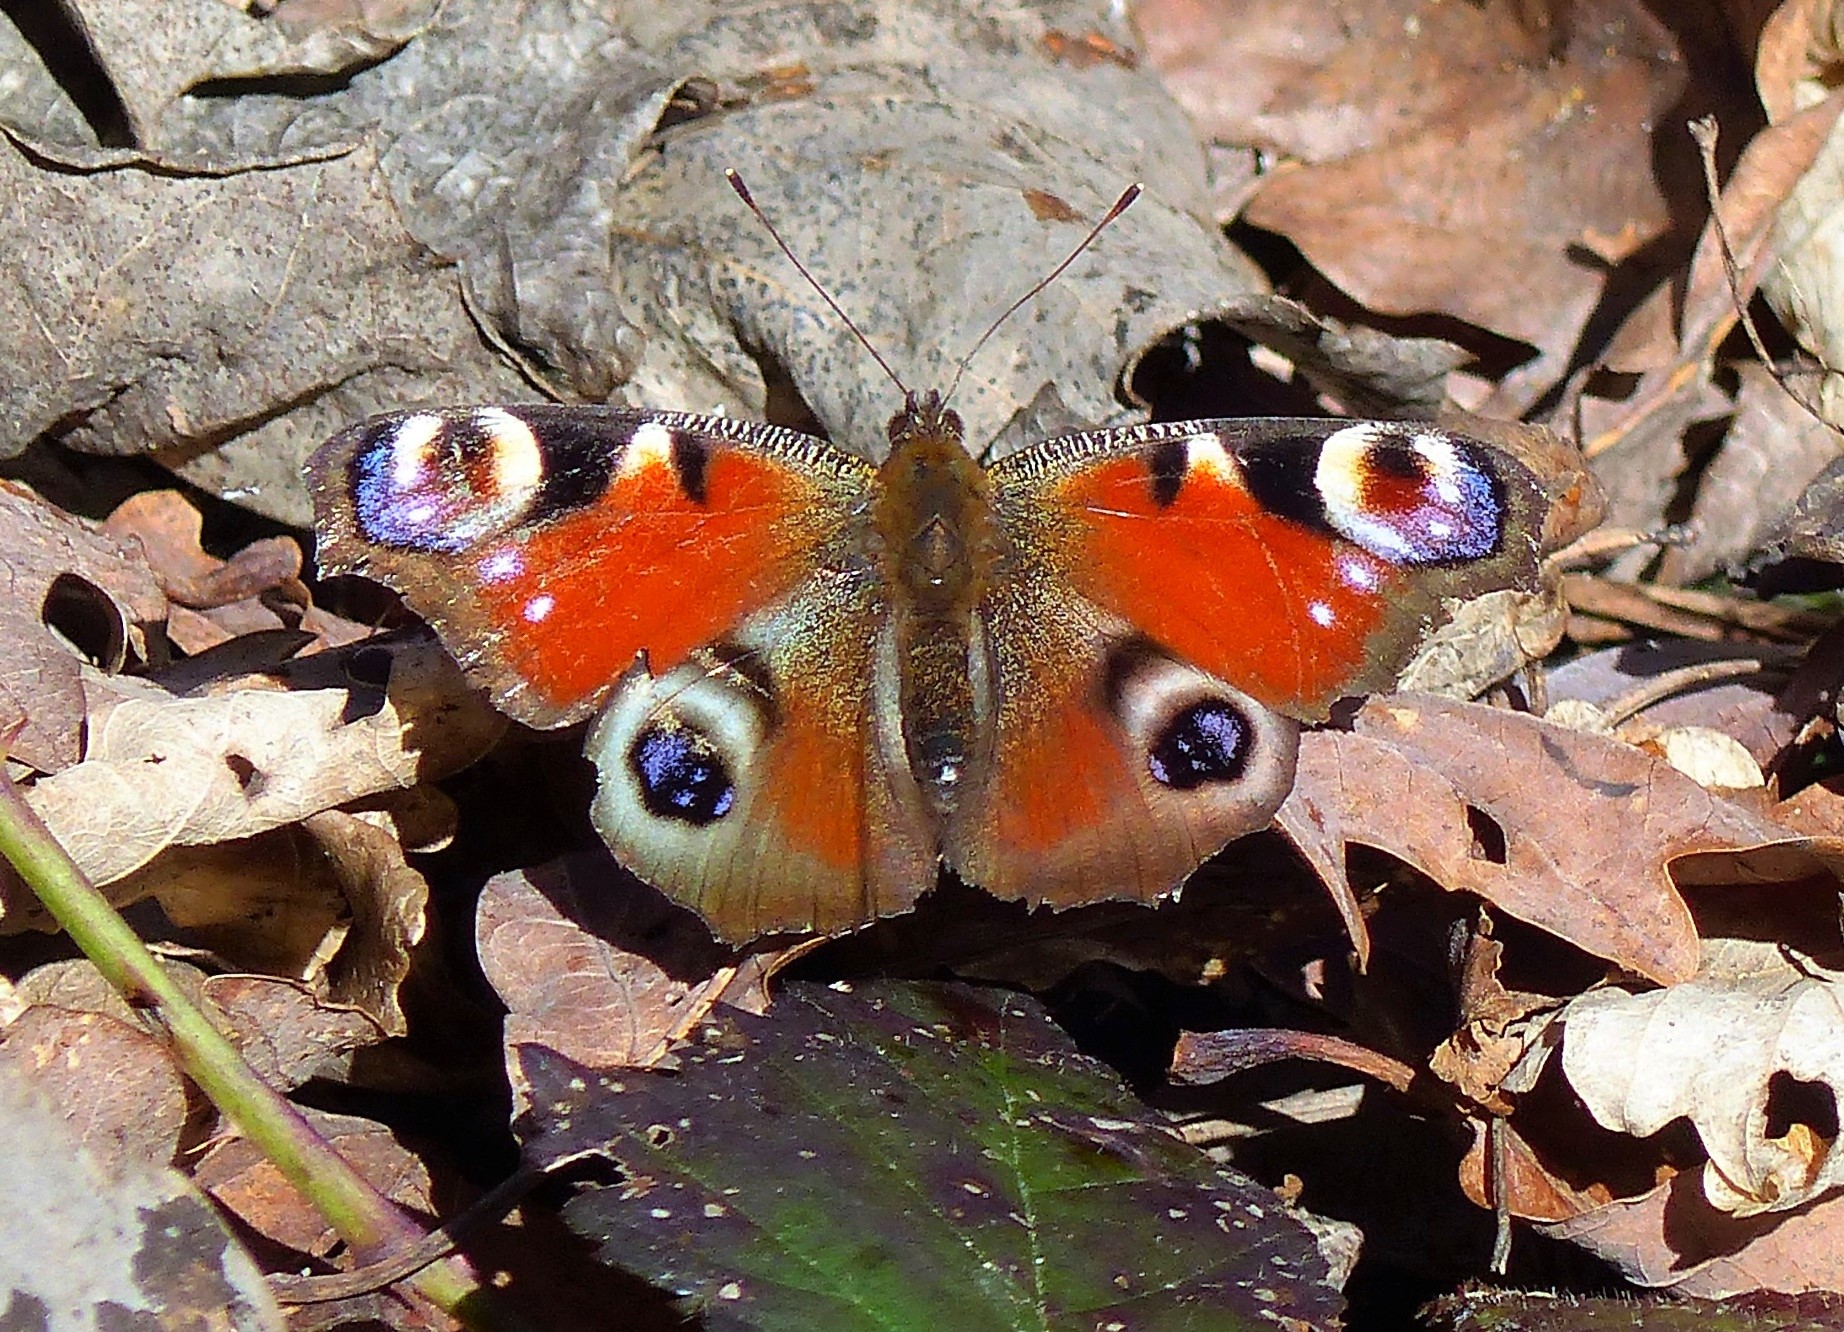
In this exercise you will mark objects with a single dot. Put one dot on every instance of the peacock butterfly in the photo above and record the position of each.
(1070, 674)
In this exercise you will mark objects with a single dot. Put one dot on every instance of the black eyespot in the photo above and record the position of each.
(681, 776)
(1207, 742)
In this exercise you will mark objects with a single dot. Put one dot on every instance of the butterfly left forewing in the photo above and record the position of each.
(549, 545)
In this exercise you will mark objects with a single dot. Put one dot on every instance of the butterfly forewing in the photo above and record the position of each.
(551, 545)
(1299, 560)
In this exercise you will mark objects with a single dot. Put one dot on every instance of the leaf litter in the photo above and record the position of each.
(1595, 935)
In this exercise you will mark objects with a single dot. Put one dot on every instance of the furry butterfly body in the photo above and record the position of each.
(1070, 675)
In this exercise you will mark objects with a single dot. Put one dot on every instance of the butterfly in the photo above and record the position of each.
(1069, 675)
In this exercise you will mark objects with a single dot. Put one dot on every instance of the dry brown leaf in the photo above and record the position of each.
(387, 900)
(115, 1085)
(96, 580)
(287, 1034)
(594, 964)
(1587, 825)
(167, 771)
(76, 984)
(1495, 1029)
(1789, 63)
(1711, 1050)
(221, 593)
(251, 1188)
(329, 902)
(1808, 249)
(1673, 1239)
(262, 904)
(1455, 159)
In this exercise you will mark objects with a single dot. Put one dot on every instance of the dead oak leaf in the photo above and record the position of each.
(1570, 832)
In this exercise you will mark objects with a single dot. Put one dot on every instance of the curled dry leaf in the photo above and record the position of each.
(1206, 1056)
(594, 964)
(267, 903)
(1516, 1173)
(1723, 1050)
(1772, 452)
(330, 902)
(1801, 287)
(168, 771)
(1496, 1026)
(387, 900)
(99, 587)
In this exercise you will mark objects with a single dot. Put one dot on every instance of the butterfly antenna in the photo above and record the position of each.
(1121, 205)
(742, 192)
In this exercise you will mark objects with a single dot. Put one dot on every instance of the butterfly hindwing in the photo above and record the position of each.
(754, 782)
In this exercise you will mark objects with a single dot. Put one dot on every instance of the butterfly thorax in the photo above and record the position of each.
(940, 544)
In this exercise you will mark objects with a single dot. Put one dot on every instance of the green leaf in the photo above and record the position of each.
(916, 1157)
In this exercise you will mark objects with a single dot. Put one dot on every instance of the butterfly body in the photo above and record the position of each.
(1068, 675)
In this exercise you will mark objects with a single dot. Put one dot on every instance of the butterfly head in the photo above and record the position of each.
(925, 416)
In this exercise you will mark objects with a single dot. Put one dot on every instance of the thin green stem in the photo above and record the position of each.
(367, 1220)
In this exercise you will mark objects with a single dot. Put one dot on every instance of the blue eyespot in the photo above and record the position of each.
(1206, 742)
(681, 775)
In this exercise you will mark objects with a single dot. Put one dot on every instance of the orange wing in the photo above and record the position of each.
(549, 546)
(1179, 592)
